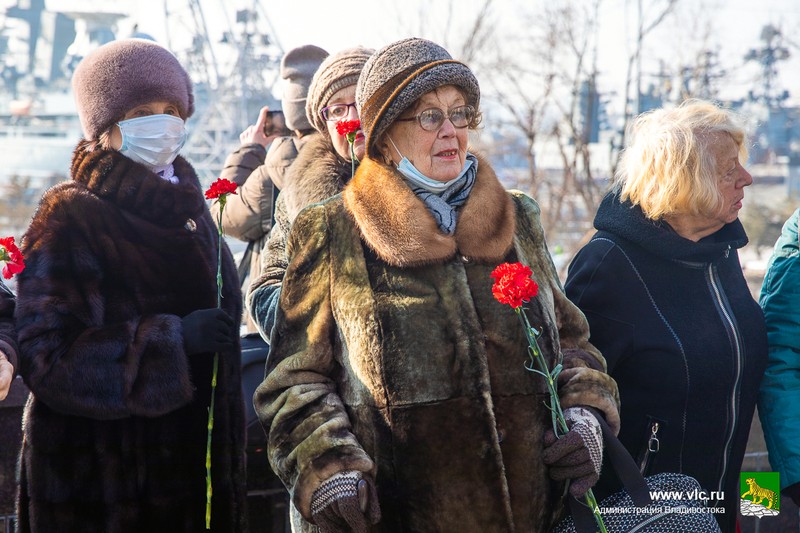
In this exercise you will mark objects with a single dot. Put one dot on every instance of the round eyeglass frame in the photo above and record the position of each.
(445, 115)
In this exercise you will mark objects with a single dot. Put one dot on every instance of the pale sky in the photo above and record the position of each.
(734, 26)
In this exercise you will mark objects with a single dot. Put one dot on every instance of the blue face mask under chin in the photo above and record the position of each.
(407, 169)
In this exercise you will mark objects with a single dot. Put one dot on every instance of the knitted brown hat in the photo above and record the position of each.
(400, 73)
(121, 75)
(335, 73)
(298, 67)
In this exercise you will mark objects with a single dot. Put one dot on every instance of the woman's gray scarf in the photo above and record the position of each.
(444, 206)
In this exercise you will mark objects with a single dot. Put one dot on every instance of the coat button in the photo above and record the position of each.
(501, 434)
(190, 225)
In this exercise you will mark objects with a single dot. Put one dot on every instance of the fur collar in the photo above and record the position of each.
(133, 187)
(317, 174)
(400, 229)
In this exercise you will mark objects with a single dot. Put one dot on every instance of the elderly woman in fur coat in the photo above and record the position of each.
(396, 396)
(118, 321)
(320, 171)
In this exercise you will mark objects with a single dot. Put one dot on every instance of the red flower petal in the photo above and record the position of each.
(513, 284)
(221, 187)
(343, 127)
(10, 254)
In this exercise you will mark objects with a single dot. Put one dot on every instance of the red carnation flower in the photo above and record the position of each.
(346, 128)
(12, 257)
(220, 188)
(513, 284)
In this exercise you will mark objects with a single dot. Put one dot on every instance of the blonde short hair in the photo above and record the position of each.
(667, 168)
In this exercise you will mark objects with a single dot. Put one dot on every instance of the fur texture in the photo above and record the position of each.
(123, 74)
(416, 375)
(397, 226)
(317, 174)
(115, 433)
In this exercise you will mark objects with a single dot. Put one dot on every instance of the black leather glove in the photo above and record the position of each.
(208, 330)
(793, 491)
(346, 502)
(578, 455)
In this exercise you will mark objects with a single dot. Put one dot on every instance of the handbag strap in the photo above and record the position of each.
(625, 467)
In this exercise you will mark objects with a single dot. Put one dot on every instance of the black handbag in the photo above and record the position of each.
(254, 361)
(632, 510)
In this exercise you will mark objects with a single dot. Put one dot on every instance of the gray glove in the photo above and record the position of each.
(346, 502)
(578, 455)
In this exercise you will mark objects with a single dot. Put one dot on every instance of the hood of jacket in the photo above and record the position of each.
(317, 174)
(397, 225)
(657, 237)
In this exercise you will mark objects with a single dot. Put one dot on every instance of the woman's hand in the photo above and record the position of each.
(578, 455)
(6, 375)
(254, 133)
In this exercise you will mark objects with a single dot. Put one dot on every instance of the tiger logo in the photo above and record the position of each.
(759, 494)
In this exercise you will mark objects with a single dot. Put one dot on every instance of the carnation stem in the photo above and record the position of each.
(559, 423)
(352, 158)
(209, 489)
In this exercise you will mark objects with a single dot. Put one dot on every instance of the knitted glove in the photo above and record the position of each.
(346, 502)
(577, 455)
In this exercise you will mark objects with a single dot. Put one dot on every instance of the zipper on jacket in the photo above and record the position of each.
(652, 446)
(728, 320)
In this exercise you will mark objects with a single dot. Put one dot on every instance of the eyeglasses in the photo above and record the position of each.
(336, 112)
(433, 118)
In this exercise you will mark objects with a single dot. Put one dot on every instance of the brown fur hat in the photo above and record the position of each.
(123, 74)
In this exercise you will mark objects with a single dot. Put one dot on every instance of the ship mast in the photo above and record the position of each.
(232, 79)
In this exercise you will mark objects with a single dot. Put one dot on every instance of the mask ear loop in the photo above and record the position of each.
(395, 149)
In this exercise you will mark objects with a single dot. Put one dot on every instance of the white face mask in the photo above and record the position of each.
(154, 140)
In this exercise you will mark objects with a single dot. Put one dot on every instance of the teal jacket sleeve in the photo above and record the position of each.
(779, 397)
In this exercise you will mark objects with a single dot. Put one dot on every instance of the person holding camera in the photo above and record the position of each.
(248, 215)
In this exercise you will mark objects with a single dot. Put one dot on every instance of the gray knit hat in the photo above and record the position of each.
(121, 75)
(298, 67)
(335, 73)
(400, 73)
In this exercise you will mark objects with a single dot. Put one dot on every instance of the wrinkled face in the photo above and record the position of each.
(439, 154)
(732, 177)
(346, 95)
(158, 107)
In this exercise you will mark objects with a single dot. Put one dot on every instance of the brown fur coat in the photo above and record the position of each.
(390, 356)
(115, 433)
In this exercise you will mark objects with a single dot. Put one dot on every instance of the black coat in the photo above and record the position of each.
(115, 435)
(683, 338)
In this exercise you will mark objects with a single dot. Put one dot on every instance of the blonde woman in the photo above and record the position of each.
(667, 303)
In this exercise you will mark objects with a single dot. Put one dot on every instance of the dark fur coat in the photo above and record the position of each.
(390, 356)
(115, 433)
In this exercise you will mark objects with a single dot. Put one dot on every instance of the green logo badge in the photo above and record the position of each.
(761, 493)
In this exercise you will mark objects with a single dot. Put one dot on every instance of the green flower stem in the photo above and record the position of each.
(539, 365)
(351, 139)
(216, 366)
